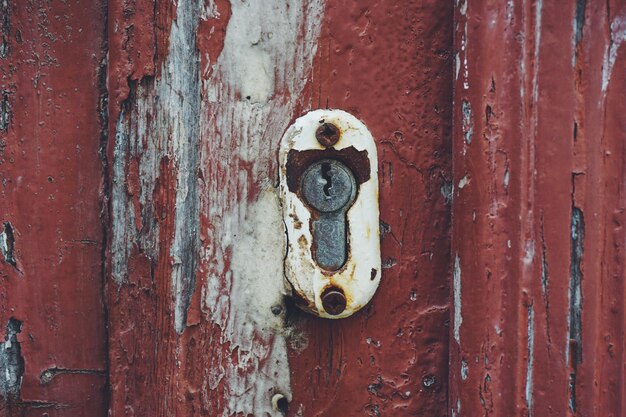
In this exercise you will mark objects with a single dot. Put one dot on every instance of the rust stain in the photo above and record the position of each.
(299, 161)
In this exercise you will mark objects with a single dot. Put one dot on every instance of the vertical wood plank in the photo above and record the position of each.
(537, 213)
(390, 64)
(52, 318)
(197, 241)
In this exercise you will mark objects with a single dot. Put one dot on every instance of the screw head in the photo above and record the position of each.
(334, 301)
(327, 134)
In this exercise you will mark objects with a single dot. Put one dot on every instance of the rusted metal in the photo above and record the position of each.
(334, 301)
(539, 206)
(298, 161)
(327, 134)
(341, 244)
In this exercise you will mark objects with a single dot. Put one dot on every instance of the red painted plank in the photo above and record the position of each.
(389, 63)
(51, 61)
(537, 213)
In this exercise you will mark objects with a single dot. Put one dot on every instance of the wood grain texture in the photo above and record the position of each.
(52, 317)
(538, 238)
(197, 241)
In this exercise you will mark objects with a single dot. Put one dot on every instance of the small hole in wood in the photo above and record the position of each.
(280, 403)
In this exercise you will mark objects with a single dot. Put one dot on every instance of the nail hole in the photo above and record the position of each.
(280, 403)
(428, 381)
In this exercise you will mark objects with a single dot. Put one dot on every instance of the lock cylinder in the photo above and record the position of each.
(329, 187)
(329, 193)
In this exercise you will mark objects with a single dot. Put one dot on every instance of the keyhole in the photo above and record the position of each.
(328, 186)
(328, 177)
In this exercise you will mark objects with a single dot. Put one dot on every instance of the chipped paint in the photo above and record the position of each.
(537, 60)
(5, 112)
(530, 362)
(193, 203)
(578, 24)
(180, 122)
(355, 278)
(463, 182)
(468, 124)
(447, 191)
(7, 244)
(11, 361)
(463, 7)
(575, 290)
(464, 370)
(5, 28)
(529, 252)
(617, 37)
(256, 285)
(456, 288)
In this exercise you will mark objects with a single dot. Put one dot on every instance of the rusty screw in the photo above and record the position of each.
(334, 301)
(327, 134)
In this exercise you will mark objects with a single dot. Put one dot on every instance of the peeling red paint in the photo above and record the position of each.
(133, 186)
(141, 332)
(534, 230)
(137, 44)
(50, 176)
(211, 33)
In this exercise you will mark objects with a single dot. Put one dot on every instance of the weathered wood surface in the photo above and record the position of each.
(53, 350)
(138, 148)
(200, 95)
(539, 209)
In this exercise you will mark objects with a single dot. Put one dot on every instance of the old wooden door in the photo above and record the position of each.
(142, 244)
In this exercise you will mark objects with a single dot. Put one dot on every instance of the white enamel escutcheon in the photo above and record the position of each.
(329, 193)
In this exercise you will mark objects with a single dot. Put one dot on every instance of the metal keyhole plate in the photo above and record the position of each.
(330, 212)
